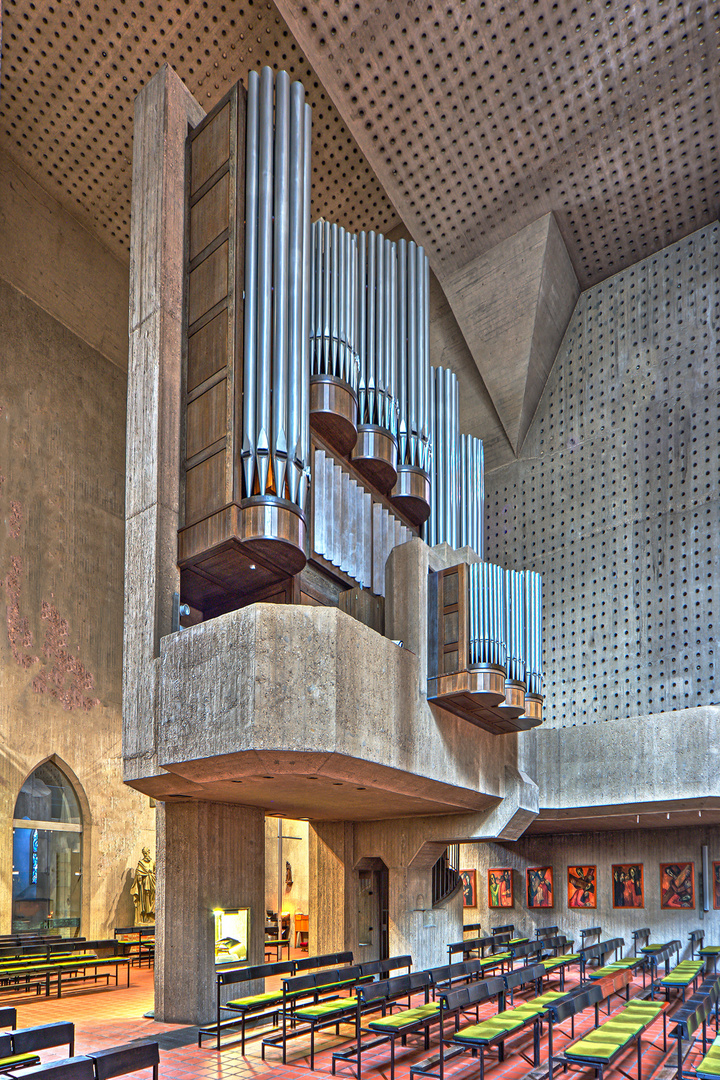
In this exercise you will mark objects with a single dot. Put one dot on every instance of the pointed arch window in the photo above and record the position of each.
(47, 855)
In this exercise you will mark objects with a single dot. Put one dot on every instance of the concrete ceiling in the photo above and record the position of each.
(475, 118)
(464, 123)
(673, 814)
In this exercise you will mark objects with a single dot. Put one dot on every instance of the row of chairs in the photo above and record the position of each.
(20, 1049)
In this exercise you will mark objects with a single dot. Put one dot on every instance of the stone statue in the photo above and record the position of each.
(142, 889)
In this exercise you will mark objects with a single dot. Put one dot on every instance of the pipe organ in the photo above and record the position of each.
(485, 648)
(315, 429)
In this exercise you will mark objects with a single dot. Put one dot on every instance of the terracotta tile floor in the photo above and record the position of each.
(112, 1017)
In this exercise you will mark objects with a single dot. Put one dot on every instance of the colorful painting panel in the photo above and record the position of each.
(540, 887)
(628, 885)
(469, 887)
(500, 887)
(582, 886)
(677, 885)
(716, 885)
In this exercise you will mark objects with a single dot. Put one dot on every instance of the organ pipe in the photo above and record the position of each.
(472, 495)
(442, 525)
(275, 437)
(375, 453)
(412, 490)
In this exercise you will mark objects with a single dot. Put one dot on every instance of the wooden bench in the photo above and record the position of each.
(265, 1005)
(604, 1045)
(121, 1060)
(380, 996)
(685, 974)
(643, 934)
(333, 1011)
(75, 1068)
(324, 987)
(487, 1034)
(422, 1017)
(8, 1018)
(710, 952)
(696, 938)
(693, 1016)
(531, 975)
(446, 976)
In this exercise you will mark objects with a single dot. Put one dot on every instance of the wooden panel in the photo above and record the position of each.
(202, 484)
(211, 147)
(310, 601)
(207, 350)
(208, 284)
(450, 588)
(451, 628)
(206, 418)
(450, 661)
(209, 216)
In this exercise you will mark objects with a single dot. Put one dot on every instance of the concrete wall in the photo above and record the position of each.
(339, 849)
(649, 847)
(62, 421)
(616, 496)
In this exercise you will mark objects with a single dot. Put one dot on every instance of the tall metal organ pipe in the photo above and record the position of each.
(411, 493)
(533, 645)
(335, 364)
(472, 495)
(275, 410)
(375, 453)
(442, 526)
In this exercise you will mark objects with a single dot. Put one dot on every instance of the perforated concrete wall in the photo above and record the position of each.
(615, 498)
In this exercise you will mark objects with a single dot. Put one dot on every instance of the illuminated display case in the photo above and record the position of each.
(232, 935)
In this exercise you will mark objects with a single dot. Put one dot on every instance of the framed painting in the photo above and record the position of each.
(582, 886)
(500, 887)
(628, 885)
(540, 887)
(469, 887)
(716, 885)
(677, 885)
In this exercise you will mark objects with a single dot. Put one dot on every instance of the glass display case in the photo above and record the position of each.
(232, 935)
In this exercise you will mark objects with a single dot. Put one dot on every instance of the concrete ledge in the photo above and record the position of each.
(299, 692)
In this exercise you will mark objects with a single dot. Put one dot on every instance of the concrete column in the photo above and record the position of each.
(333, 890)
(210, 855)
(164, 110)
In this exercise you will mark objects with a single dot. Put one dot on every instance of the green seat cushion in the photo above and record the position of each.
(489, 1029)
(710, 950)
(548, 995)
(256, 1001)
(518, 941)
(19, 1059)
(325, 1008)
(595, 1051)
(407, 1017)
(710, 1064)
(496, 958)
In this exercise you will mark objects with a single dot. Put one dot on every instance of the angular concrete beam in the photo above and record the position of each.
(513, 306)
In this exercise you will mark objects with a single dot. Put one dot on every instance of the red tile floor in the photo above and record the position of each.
(112, 1017)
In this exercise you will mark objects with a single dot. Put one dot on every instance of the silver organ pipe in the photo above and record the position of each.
(443, 524)
(275, 439)
(472, 495)
(533, 646)
(375, 453)
(411, 493)
(333, 345)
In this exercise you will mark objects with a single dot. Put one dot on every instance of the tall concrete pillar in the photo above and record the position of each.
(332, 899)
(210, 855)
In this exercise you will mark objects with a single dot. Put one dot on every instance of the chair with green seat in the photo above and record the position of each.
(683, 975)
(710, 952)
(602, 1047)
(480, 1037)
(9, 1060)
(709, 1067)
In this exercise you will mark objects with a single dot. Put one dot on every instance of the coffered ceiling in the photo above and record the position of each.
(475, 118)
